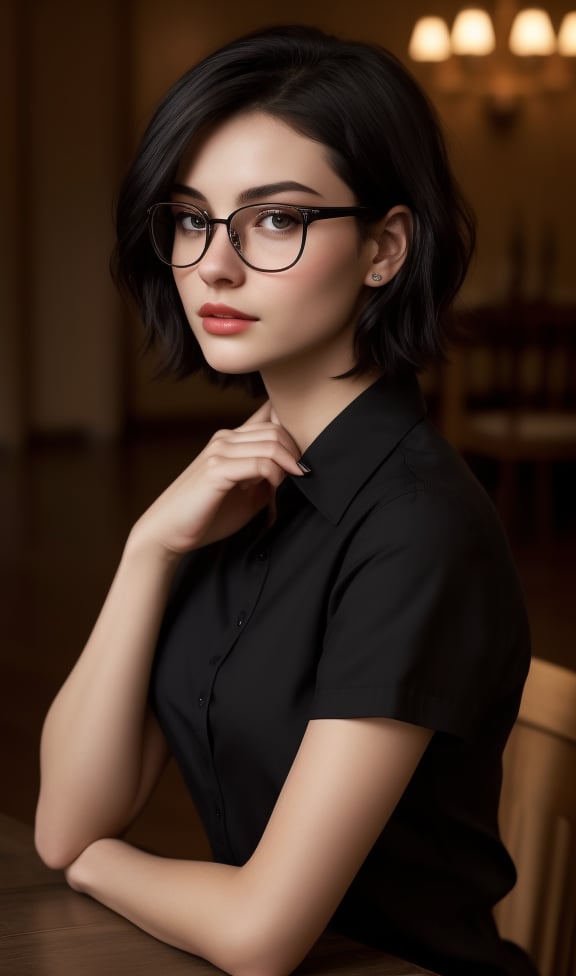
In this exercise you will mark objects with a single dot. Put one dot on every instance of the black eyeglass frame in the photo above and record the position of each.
(308, 214)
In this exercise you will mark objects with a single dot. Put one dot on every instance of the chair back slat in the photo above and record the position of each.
(538, 821)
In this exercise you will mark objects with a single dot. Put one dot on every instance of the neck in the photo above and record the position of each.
(305, 407)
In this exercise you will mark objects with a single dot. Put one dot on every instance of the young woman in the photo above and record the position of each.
(319, 619)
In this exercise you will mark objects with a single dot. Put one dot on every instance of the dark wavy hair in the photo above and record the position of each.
(383, 139)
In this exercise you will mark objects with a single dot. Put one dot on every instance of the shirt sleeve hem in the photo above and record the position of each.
(457, 718)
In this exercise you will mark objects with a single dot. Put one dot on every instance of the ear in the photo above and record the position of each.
(391, 236)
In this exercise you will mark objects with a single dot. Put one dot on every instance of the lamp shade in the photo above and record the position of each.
(430, 40)
(532, 33)
(567, 35)
(472, 33)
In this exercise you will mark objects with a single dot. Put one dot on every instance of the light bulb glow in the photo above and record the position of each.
(473, 33)
(430, 40)
(567, 35)
(532, 33)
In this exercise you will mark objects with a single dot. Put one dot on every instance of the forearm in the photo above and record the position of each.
(91, 748)
(202, 908)
(262, 918)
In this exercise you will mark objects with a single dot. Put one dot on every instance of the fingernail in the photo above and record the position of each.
(304, 467)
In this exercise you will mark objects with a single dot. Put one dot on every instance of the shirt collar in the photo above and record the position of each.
(358, 441)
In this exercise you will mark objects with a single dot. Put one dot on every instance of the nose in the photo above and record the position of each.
(221, 263)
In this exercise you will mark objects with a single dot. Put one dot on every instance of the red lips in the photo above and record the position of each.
(209, 310)
(222, 320)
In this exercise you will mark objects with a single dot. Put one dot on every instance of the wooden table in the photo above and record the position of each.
(46, 929)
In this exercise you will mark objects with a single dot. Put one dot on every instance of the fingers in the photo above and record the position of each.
(245, 471)
(261, 431)
(259, 436)
(233, 478)
(269, 445)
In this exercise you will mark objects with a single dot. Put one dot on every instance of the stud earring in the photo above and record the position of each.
(376, 277)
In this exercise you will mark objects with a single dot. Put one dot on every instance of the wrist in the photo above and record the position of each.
(139, 547)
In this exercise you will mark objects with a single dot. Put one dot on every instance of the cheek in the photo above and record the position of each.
(328, 280)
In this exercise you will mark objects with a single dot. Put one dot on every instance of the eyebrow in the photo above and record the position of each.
(254, 193)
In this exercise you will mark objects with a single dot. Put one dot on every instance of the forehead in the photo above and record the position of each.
(256, 149)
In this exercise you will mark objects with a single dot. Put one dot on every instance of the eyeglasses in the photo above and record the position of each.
(266, 236)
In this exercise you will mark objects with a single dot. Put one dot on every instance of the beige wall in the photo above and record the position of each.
(89, 76)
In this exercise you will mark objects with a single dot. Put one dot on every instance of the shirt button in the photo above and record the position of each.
(201, 702)
(218, 814)
(215, 659)
(241, 618)
(262, 556)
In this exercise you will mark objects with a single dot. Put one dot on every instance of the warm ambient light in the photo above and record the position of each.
(473, 33)
(525, 58)
(532, 33)
(567, 35)
(430, 40)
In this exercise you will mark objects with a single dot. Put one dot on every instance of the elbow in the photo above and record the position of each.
(254, 950)
(53, 851)
(50, 855)
(54, 844)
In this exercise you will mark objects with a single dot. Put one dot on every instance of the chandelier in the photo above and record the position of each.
(502, 60)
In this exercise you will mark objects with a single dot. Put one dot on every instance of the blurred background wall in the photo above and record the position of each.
(78, 84)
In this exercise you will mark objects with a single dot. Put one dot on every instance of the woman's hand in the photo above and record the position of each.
(233, 478)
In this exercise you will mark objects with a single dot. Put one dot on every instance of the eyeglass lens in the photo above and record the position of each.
(269, 238)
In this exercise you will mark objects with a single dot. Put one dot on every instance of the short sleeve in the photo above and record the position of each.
(426, 622)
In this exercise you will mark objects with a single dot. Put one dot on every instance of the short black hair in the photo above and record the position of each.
(384, 140)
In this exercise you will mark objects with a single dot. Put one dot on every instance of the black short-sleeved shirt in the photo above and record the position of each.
(384, 587)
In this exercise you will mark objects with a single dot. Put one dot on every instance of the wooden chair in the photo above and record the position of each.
(508, 393)
(538, 821)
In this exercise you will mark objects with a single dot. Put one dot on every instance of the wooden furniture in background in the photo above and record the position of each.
(508, 393)
(538, 821)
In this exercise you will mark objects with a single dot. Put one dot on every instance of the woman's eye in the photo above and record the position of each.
(189, 222)
(278, 220)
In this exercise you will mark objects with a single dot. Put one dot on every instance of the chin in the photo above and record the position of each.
(223, 364)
